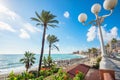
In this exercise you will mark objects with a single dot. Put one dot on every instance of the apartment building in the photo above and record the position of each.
(114, 47)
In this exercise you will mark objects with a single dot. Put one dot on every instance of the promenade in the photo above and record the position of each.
(116, 63)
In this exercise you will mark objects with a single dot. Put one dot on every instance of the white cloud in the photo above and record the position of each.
(15, 21)
(66, 14)
(31, 28)
(5, 26)
(91, 33)
(107, 35)
(24, 34)
(6, 11)
(114, 31)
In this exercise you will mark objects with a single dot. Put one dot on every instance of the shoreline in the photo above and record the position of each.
(59, 63)
(17, 70)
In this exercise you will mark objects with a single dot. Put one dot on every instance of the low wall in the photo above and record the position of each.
(107, 74)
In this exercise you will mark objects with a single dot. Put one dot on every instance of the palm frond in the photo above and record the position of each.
(53, 21)
(52, 39)
(50, 17)
(39, 17)
(52, 25)
(114, 40)
(45, 18)
(35, 19)
(56, 47)
(22, 60)
(39, 24)
(28, 59)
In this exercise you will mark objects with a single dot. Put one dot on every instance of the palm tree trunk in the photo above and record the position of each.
(26, 69)
(42, 50)
(49, 54)
(50, 50)
(27, 66)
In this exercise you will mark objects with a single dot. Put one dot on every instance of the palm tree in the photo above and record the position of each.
(107, 48)
(94, 51)
(89, 52)
(28, 60)
(44, 19)
(45, 62)
(114, 41)
(52, 39)
(114, 45)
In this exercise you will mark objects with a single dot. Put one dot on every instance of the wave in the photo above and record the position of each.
(12, 61)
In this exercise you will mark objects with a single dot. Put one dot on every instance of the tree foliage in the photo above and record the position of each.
(28, 60)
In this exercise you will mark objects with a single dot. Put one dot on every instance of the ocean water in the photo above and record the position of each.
(12, 60)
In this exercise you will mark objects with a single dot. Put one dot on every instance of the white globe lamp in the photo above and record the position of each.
(109, 4)
(96, 8)
(82, 17)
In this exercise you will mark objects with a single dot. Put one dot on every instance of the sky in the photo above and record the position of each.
(18, 33)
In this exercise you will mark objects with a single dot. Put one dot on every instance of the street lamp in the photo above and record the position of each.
(95, 9)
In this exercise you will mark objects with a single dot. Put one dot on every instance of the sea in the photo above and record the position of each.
(10, 61)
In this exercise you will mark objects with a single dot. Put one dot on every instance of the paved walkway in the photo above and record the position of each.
(116, 63)
(93, 74)
(81, 67)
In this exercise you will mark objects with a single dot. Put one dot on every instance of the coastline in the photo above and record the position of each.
(60, 63)
(17, 70)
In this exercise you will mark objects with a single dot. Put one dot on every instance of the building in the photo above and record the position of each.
(118, 46)
(77, 52)
(114, 47)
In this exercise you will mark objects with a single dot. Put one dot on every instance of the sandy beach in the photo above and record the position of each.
(4, 74)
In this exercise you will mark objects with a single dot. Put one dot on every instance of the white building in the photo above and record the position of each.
(114, 47)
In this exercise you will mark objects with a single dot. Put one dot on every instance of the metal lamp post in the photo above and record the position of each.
(95, 9)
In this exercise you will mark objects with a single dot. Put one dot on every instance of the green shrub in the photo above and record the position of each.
(26, 75)
(79, 76)
(55, 70)
(12, 76)
(40, 78)
(60, 72)
(61, 76)
(98, 59)
(45, 62)
(43, 73)
(96, 66)
(48, 62)
(23, 76)
(34, 73)
(49, 72)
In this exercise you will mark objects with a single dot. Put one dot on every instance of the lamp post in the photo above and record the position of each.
(95, 9)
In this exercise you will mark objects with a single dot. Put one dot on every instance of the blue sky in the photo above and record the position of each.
(19, 34)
